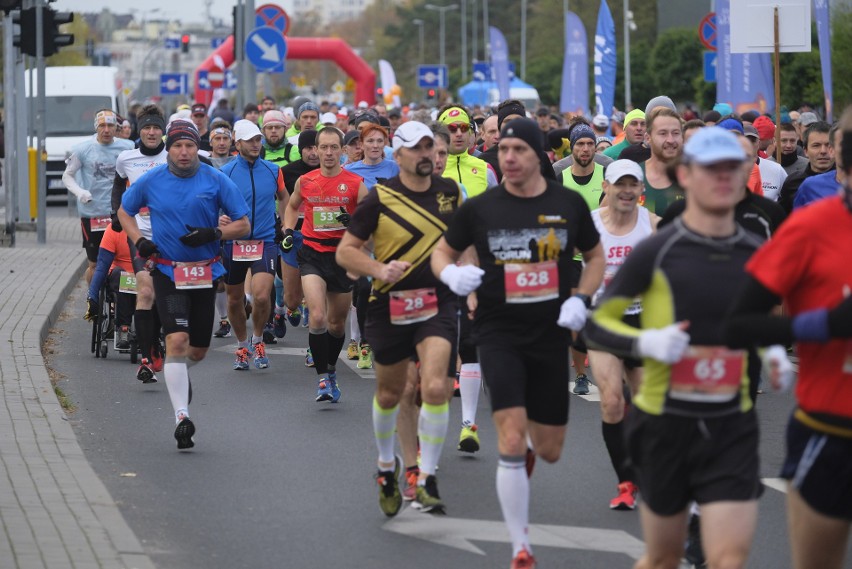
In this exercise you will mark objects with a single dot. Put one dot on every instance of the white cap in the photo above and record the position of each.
(245, 130)
(363, 105)
(328, 118)
(409, 134)
(601, 121)
(620, 168)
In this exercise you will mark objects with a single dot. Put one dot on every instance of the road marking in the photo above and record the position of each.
(459, 532)
(779, 484)
(594, 393)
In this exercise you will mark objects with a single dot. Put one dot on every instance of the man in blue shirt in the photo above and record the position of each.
(184, 200)
(826, 184)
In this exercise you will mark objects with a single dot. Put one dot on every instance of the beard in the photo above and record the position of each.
(424, 168)
(584, 163)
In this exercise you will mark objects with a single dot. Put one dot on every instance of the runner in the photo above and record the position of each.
(524, 232)
(814, 284)
(261, 183)
(330, 195)
(472, 172)
(634, 133)
(692, 431)
(184, 254)
(665, 139)
(89, 175)
(622, 225)
(410, 313)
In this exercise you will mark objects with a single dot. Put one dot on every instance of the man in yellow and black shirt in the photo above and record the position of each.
(410, 311)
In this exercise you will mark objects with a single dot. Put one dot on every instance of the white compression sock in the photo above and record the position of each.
(432, 430)
(470, 383)
(513, 491)
(222, 305)
(177, 382)
(384, 427)
(354, 330)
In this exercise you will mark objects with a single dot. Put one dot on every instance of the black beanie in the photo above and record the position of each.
(150, 120)
(528, 131)
(307, 138)
(182, 130)
(513, 109)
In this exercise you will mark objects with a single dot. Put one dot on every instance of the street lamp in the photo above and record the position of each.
(629, 25)
(419, 23)
(442, 10)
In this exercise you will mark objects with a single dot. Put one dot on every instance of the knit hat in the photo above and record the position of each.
(309, 106)
(765, 127)
(660, 101)
(307, 138)
(513, 109)
(732, 124)
(274, 116)
(582, 131)
(182, 130)
(633, 115)
(150, 120)
(454, 115)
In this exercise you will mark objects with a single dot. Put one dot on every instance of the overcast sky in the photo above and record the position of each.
(185, 11)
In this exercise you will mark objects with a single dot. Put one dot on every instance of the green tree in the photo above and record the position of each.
(841, 55)
(676, 62)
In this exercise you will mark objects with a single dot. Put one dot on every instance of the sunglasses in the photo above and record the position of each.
(458, 127)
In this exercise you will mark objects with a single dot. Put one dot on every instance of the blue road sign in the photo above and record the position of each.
(432, 77)
(202, 82)
(482, 71)
(270, 15)
(216, 42)
(230, 80)
(266, 48)
(173, 83)
(172, 43)
(710, 66)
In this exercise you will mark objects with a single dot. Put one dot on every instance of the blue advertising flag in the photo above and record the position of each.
(743, 80)
(605, 61)
(500, 61)
(821, 13)
(575, 68)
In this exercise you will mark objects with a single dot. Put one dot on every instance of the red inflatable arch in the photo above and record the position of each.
(332, 49)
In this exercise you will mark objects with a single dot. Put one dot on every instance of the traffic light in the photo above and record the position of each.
(25, 40)
(184, 43)
(10, 5)
(380, 92)
(53, 38)
(431, 93)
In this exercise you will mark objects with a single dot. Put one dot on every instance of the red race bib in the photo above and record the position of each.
(144, 212)
(707, 374)
(531, 282)
(99, 223)
(412, 306)
(247, 250)
(193, 275)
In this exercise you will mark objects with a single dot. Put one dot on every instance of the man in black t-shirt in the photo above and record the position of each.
(524, 232)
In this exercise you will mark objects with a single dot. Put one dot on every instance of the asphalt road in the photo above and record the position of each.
(277, 480)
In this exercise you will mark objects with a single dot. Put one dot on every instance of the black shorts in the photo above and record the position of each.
(392, 343)
(629, 363)
(534, 377)
(191, 311)
(467, 349)
(576, 273)
(819, 466)
(235, 271)
(91, 239)
(324, 266)
(679, 459)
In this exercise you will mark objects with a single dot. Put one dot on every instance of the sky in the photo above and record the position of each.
(185, 11)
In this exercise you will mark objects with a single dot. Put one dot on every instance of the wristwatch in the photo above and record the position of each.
(587, 300)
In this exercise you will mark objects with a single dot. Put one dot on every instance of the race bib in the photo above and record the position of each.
(127, 283)
(707, 374)
(100, 223)
(325, 219)
(247, 250)
(145, 213)
(412, 306)
(193, 275)
(531, 282)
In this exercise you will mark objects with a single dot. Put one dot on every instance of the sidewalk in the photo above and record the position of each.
(54, 511)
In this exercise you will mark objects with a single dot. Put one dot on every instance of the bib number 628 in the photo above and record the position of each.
(531, 279)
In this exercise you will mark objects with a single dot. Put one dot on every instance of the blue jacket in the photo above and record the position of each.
(815, 188)
(259, 183)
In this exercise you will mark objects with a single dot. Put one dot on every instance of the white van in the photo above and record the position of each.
(74, 96)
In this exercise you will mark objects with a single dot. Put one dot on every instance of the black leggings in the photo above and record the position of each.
(360, 299)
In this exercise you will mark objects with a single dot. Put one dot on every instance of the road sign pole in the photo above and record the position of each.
(9, 96)
(777, 62)
(249, 84)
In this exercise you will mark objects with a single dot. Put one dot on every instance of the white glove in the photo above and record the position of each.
(665, 345)
(777, 368)
(85, 196)
(462, 280)
(572, 314)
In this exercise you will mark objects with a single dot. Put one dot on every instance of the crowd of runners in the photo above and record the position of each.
(683, 259)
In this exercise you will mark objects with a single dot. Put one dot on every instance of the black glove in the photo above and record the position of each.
(92, 309)
(116, 224)
(146, 247)
(279, 233)
(199, 236)
(343, 217)
(287, 241)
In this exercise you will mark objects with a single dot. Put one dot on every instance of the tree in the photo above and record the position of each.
(676, 61)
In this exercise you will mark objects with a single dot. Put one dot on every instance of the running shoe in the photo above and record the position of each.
(309, 359)
(427, 498)
(269, 334)
(279, 326)
(352, 350)
(242, 357)
(469, 438)
(156, 358)
(260, 359)
(581, 385)
(184, 433)
(224, 330)
(523, 560)
(626, 499)
(305, 316)
(411, 476)
(365, 361)
(390, 498)
(145, 374)
(122, 342)
(693, 552)
(335, 390)
(530, 462)
(294, 317)
(324, 392)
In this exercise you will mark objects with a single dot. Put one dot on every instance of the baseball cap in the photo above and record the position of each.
(351, 137)
(542, 112)
(199, 109)
(617, 117)
(600, 121)
(274, 117)
(808, 118)
(245, 130)
(711, 145)
(410, 134)
(731, 124)
(620, 168)
(328, 118)
(395, 113)
(751, 132)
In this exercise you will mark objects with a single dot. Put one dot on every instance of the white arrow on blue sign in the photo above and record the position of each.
(266, 47)
(230, 80)
(173, 83)
(710, 66)
(172, 43)
(216, 42)
(202, 82)
(432, 76)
